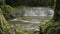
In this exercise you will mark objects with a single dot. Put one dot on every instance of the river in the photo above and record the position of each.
(29, 19)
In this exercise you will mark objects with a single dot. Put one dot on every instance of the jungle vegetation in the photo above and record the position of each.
(51, 27)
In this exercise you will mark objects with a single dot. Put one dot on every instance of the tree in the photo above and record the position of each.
(53, 27)
(57, 11)
(3, 22)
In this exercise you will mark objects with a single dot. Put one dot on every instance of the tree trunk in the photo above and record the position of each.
(56, 17)
(53, 27)
(3, 21)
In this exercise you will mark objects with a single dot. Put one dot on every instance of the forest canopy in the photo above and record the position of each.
(42, 3)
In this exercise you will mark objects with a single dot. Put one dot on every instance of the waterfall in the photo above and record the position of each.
(39, 12)
(33, 24)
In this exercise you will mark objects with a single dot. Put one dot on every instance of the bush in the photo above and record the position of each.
(54, 30)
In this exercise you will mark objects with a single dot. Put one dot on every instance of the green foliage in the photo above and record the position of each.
(43, 3)
(9, 7)
(7, 11)
(36, 33)
(57, 30)
(46, 26)
(10, 30)
(53, 30)
(19, 31)
(6, 28)
(48, 23)
(49, 28)
(54, 5)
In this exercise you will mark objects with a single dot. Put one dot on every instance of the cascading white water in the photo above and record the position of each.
(39, 13)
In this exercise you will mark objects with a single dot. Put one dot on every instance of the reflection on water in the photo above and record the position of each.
(32, 17)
